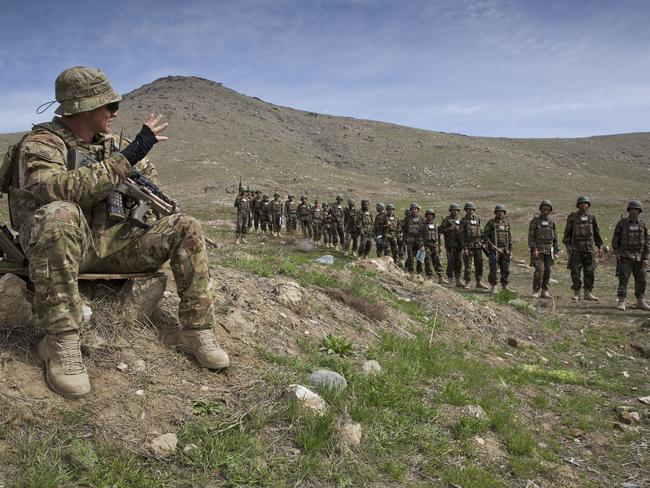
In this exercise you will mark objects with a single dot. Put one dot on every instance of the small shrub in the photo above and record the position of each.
(335, 344)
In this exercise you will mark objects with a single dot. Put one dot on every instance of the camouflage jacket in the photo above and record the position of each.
(349, 214)
(242, 203)
(364, 223)
(542, 235)
(290, 208)
(582, 232)
(257, 205)
(392, 228)
(265, 207)
(470, 232)
(304, 211)
(430, 234)
(380, 221)
(630, 239)
(317, 213)
(412, 228)
(497, 233)
(337, 211)
(44, 177)
(276, 207)
(450, 228)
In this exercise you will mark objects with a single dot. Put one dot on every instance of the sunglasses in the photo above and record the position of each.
(112, 107)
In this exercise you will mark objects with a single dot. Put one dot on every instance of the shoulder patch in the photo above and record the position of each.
(44, 151)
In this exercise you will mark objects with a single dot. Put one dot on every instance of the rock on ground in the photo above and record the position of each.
(351, 433)
(307, 398)
(475, 411)
(292, 296)
(324, 378)
(383, 264)
(15, 301)
(163, 445)
(139, 297)
(371, 367)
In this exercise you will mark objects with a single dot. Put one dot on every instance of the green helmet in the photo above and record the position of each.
(414, 205)
(380, 206)
(265, 197)
(547, 203)
(390, 206)
(290, 196)
(430, 211)
(365, 202)
(339, 198)
(469, 205)
(276, 194)
(583, 199)
(499, 208)
(82, 89)
(635, 204)
(351, 201)
(454, 206)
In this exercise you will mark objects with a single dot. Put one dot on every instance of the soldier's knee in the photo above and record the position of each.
(59, 213)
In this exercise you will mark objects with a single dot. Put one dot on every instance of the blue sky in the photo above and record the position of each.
(509, 68)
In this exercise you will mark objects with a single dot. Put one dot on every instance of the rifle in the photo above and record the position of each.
(137, 194)
(9, 247)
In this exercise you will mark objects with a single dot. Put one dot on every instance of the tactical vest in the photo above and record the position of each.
(473, 232)
(582, 227)
(303, 211)
(337, 212)
(391, 227)
(632, 235)
(316, 214)
(266, 207)
(430, 233)
(291, 207)
(257, 204)
(365, 221)
(544, 232)
(501, 230)
(243, 204)
(414, 227)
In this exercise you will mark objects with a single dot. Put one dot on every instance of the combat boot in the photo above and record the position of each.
(459, 283)
(546, 294)
(620, 304)
(203, 345)
(493, 289)
(64, 369)
(244, 241)
(505, 288)
(641, 304)
(442, 280)
(536, 294)
(480, 285)
(576, 295)
(238, 240)
(590, 296)
(467, 287)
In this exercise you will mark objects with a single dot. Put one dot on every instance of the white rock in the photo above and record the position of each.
(88, 313)
(139, 365)
(645, 400)
(479, 440)
(351, 433)
(163, 445)
(475, 411)
(190, 448)
(307, 398)
(371, 367)
(139, 392)
(122, 366)
(204, 388)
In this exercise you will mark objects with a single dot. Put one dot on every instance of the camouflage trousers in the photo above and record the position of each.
(61, 246)
(390, 245)
(627, 267)
(257, 217)
(243, 223)
(454, 262)
(266, 223)
(585, 263)
(412, 248)
(476, 255)
(432, 257)
(292, 223)
(318, 230)
(337, 233)
(542, 275)
(500, 261)
(305, 225)
(365, 243)
(351, 237)
(277, 225)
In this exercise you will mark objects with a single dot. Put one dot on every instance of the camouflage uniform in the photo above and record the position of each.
(412, 235)
(630, 242)
(431, 244)
(391, 232)
(542, 237)
(257, 210)
(266, 218)
(470, 235)
(290, 213)
(450, 228)
(243, 206)
(364, 228)
(338, 223)
(329, 226)
(351, 234)
(498, 238)
(380, 220)
(317, 221)
(304, 216)
(276, 214)
(581, 238)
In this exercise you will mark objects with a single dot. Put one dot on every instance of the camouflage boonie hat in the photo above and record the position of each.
(81, 89)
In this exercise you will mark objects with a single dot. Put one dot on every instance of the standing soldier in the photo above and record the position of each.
(470, 231)
(380, 220)
(364, 228)
(582, 241)
(630, 243)
(290, 210)
(266, 219)
(349, 219)
(498, 238)
(431, 245)
(542, 241)
(257, 210)
(391, 232)
(338, 223)
(304, 216)
(276, 214)
(243, 206)
(329, 227)
(450, 228)
(412, 235)
(317, 221)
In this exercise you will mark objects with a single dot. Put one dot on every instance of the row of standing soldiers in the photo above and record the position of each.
(415, 242)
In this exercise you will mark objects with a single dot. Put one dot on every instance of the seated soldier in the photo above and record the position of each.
(66, 226)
